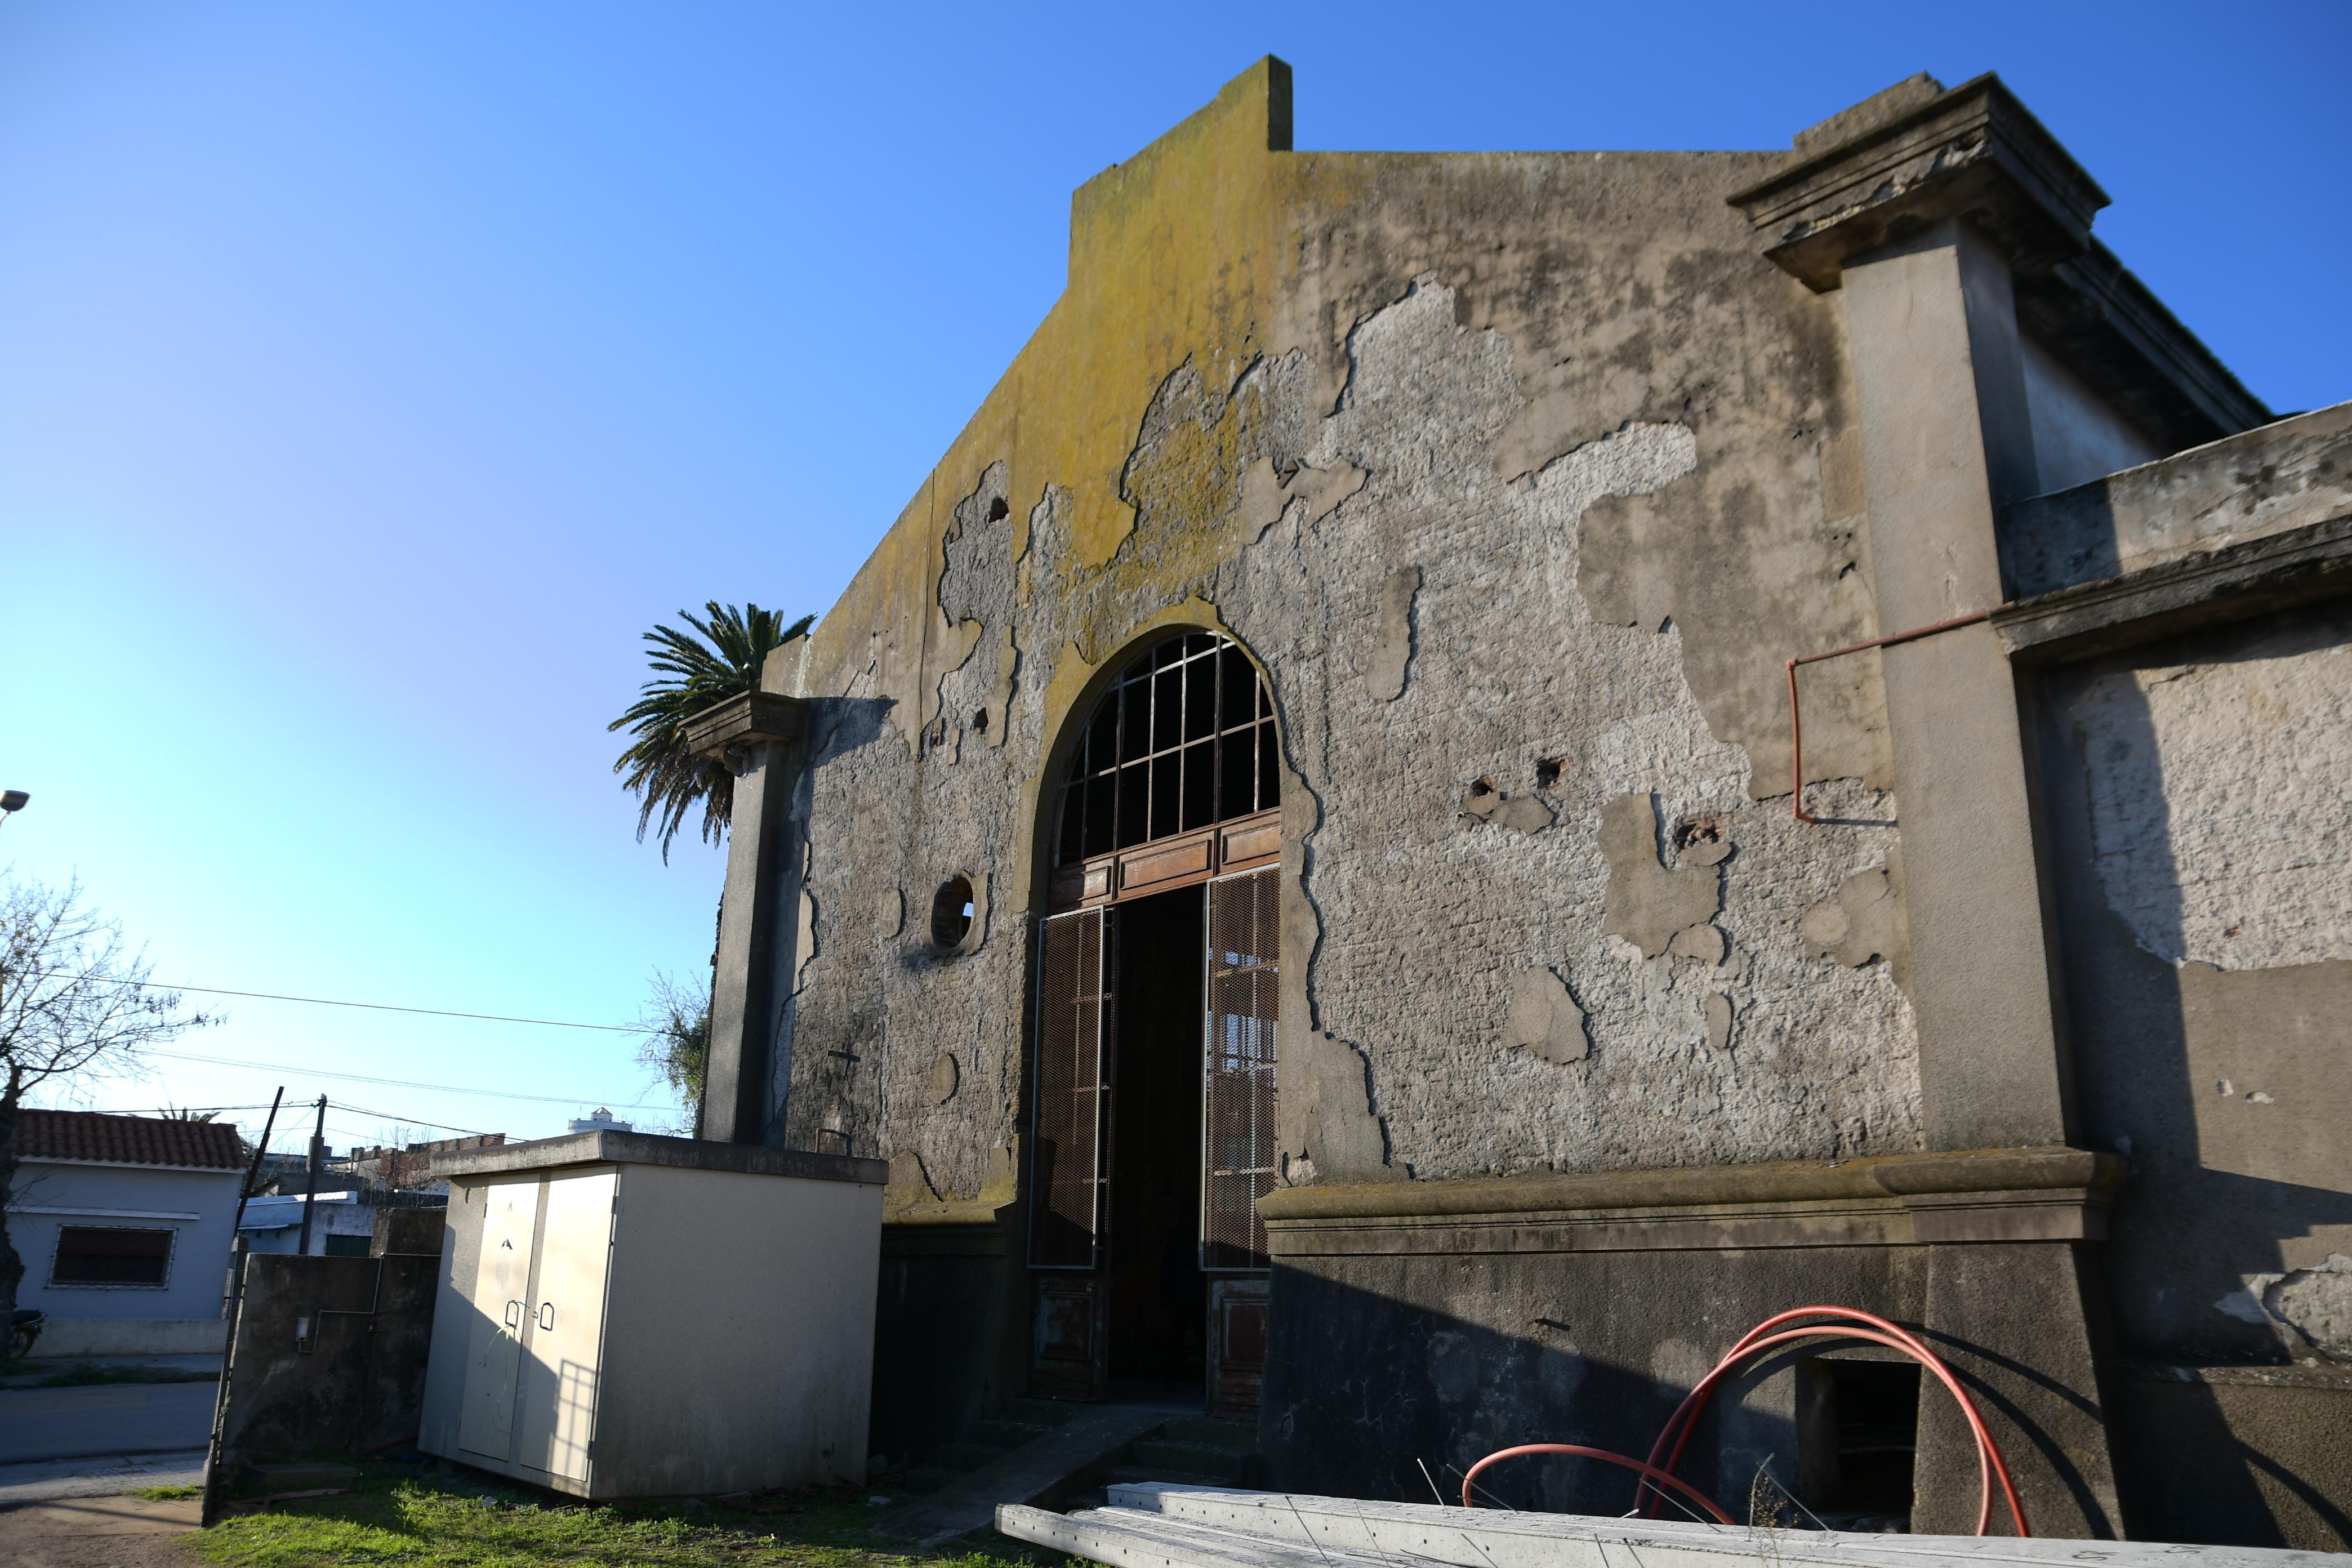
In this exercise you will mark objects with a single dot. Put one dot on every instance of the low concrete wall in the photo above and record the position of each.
(2257, 1455)
(330, 1352)
(939, 1309)
(1434, 1323)
(77, 1337)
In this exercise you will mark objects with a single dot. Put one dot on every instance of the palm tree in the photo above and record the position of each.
(718, 659)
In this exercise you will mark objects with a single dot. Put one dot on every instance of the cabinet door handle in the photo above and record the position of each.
(547, 1315)
(514, 1317)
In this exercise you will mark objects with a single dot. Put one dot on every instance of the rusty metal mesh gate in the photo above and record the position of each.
(1238, 1128)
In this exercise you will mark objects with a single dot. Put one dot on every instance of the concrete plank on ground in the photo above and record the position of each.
(1157, 1525)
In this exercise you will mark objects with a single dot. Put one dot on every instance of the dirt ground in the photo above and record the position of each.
(97, 1533)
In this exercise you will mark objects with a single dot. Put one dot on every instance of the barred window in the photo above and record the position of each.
(111, 1255)
(1184, 739)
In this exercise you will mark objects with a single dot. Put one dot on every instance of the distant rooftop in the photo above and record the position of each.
(126, 1140)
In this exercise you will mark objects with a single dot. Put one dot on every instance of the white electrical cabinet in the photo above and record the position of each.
(625, 1315)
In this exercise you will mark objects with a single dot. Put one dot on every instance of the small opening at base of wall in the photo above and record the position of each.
(1857, 1435)
(951, 911)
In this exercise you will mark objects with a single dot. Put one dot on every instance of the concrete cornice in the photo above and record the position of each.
(651, 1149)
(2097, 315)
(2274, 481)
(1992, 1195)
(1976, 154)
(1972, 152)
(739, 721)
(2211, 587)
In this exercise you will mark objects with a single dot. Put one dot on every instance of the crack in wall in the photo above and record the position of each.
(1410, 924)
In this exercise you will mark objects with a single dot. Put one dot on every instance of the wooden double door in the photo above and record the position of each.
(1152, 1138)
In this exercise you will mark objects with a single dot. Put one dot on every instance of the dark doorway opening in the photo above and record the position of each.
(1159, 1300)
(1857, 1435)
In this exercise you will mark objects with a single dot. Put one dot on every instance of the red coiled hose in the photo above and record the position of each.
(1680, 1425)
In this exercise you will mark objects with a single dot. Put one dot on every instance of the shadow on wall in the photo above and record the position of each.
(939, 1312)
(329, 1354)
(2241, 1464)
(2191, 797)
(1370, 1380)
(837, 725)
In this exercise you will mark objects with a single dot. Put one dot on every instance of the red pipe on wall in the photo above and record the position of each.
(1796, 726)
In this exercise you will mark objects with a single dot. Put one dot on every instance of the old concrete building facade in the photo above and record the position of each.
(1288, 845)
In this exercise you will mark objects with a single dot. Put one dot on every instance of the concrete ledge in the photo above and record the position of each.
(942, 1239)
(650, 1149)
(1971, 152)
(1996, 1195)
(2272, 480)
(2279, 1374)
(753, 717)
(2209, 588)
(80, 1337)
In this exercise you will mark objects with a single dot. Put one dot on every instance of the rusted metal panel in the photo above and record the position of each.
(1068, 1353)
(1167, 865)
(1164, 864)
(1237, 1335)
(1254, 841)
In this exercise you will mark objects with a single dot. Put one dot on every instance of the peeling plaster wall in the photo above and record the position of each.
(1429, 914)
(1380, 476)
(2218, 812)
(2203, 873)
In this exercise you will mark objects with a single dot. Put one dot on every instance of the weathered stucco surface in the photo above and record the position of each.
(2219, 815)
(1370, 453)
(2200, 850)
(1520, 477)
(1429, 911)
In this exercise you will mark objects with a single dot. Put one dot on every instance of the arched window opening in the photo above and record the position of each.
(1183, 739)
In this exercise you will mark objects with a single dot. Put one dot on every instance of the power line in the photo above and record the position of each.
(333, 1002)
(406, 1083)
(402, 1120)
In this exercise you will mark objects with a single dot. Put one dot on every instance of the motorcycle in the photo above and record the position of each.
(24, 1332)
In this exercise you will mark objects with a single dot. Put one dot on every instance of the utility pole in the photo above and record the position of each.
(318, 1159)
(253, 1172)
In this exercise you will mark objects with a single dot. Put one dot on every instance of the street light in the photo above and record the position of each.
(12, 800)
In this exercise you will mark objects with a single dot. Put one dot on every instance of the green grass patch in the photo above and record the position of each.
(392, 1516)
(168, 1494)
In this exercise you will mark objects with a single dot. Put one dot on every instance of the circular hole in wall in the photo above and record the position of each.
(950, 914)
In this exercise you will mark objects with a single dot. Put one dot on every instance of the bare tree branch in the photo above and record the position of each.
(75, 1003)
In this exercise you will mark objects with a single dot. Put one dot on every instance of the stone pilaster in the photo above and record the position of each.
(757, 737)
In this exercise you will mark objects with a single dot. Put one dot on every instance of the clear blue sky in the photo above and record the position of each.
(371, 375)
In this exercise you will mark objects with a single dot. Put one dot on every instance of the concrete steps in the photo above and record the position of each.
(968, 1456)
(1189, 1450)
(1067, 1457)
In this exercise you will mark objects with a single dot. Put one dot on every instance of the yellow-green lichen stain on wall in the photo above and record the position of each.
(1176, 258)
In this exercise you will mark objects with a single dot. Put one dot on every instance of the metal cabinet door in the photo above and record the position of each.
(494, 1339)
(564, 1328)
